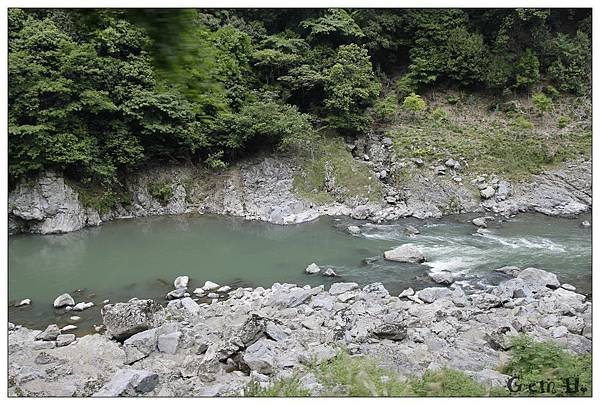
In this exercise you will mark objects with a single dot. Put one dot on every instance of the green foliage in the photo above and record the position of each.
(541, 102)
(466, 56)
(563, 121)
(161, 191)
(385, 109)
(335, 25)
(571, 68)
(534, 361)
(439, 115)
(332, 160)
(350, 87)
(358, 377)
(522, 122)
(414, 103)
(527, 70)
(447, 383)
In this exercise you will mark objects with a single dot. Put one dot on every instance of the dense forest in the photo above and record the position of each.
(95, 93)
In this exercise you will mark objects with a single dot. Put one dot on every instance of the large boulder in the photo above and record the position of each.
(391, 331)
(125, 319)
(181, 282)
(405, 254)
(140, 345)
(260, 357)
(539, 277)
(63, 301)
(340, 288)
(129, 382)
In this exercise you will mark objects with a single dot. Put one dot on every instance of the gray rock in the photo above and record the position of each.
(26, 301)
(559, 331)
(329, 272)
(168, 343)
(411, 230)
(176, 294)
(275, 332)
(140, 345)
(51, 333)
(376, 289)
(129, 382)
(539, 277)
(189, 305)
(260, 357)
(391, 331)
(83, 306)
(487, 193)
(123, 320)
(312, 269)
(210, 286)
(353, 230)
(65, 340)
(512, 271)
(407, 293)
(482, 221)
(442, 277)
(181, 282)
(290, 298)
(44, 345)
(586, 224)
(340, 288)
(405, 254)
(67, 328)
(459, 298)
(63, 301)
(569, 287)
(432, 294)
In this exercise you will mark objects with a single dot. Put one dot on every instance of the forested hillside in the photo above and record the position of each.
(95, 93)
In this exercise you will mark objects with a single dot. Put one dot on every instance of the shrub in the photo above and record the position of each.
(384, 109)
(161, 191)
(283, 387)
(541, 102)
(447, 383)
(563, 121)
(522, 122)
(439, 115)
(414, 103)
(527, 70)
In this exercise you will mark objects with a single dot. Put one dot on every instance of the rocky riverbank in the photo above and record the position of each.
(263, 189)
(218, 347)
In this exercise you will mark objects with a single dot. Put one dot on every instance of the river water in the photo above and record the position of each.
(141, 257)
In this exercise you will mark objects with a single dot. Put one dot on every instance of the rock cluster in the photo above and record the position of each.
(261, 334)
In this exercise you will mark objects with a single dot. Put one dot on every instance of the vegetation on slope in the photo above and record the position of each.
(97, 92)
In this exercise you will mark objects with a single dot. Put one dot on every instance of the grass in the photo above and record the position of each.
(534, 362)
(349, 376)
(506, 139)
(352, 178)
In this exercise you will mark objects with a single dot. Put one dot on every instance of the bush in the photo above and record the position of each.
(283, 387)
(542, 103)
(161, 191)
(522, 122)
(414, 103)
(446, 383)
(384, 109)
(439, 115)
(563, 121)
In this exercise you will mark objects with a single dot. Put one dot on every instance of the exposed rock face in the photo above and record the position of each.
(123, 320)
(48, 206)
(217, 349)
(262, 189)
(405, 254)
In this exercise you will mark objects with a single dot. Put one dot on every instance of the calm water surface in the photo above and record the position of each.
(141, 257)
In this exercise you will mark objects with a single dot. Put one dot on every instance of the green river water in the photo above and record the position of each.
(141, 257)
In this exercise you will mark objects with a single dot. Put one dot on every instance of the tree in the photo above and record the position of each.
(350, 87)
(541, 102)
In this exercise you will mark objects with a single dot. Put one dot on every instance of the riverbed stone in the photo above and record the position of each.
(312, 269)
(140, 345)
(539, 277)
(442, 277)
(432, 294)
(487, 192)
(64, 300)
(129, 382)
(405, 254)
(24, 302)
(169, 342)
(64, 340)
(50, 333)
(210, 286)
(391, 331)
(329, 272)
(340, 288)
(260, 357)
(353, 230)
(123, 320)
(181, 282)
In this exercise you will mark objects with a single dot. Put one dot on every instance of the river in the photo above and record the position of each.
(141, 257)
